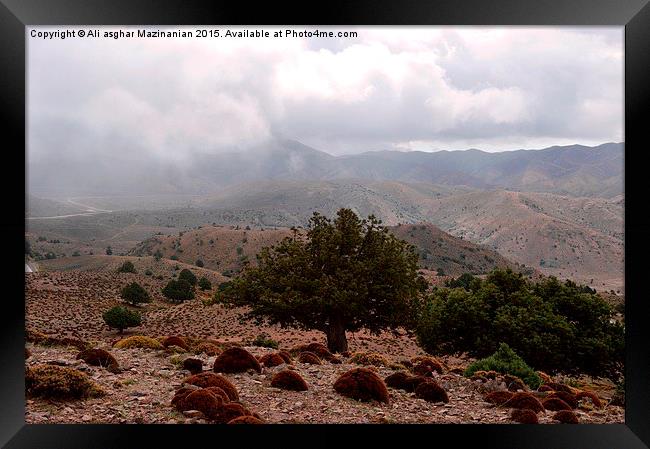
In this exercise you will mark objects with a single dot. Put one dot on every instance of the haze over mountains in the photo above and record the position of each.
(569, 170)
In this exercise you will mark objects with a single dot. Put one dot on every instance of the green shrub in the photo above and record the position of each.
(59, 382)
(199, 263)
(157, 255)
(505, 361)
(126, 267)
(121, 318)
(555, 326)
(205, 284)
(188, 276)
(134, 294)
(178, 290)
(265, 341)
(173, 257)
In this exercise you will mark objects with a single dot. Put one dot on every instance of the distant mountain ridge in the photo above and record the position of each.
(574, 170)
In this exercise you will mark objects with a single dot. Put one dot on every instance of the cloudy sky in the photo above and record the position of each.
(409, 88)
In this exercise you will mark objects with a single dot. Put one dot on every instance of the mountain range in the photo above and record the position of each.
(574, 170)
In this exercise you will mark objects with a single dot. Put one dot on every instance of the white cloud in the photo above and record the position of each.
(492, 88)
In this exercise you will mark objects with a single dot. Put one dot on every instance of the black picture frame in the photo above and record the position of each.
(15, 15)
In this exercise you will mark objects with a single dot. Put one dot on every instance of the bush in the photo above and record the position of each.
(138, 341)
(555, 326)
(178, 290)
(430, 391)
(148, 272)
(273, 359)
(99, 357)
(264, 341)
(369, 358)
(289, 380)
(127, 267)
(524, 416)
(134, 294)
(59, 382)
(199, 263)
(175, 341)
(194, 366)
(505, 361)
(157, 255)
(208, 379)
(205, 284)
(188, 276)
(109, 251)
(236, 360)
(362, 384)
(121, 318)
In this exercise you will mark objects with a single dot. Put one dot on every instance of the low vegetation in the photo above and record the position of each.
(135, 294)
(555, 326)
(121, 318)
(178, 290)
(505, 361)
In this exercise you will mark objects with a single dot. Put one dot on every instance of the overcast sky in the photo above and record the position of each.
(390, 88)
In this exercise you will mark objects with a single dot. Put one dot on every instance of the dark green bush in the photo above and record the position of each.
(555, 326)
(188, 276)
(120, 318)
(134, 293)
(265, 341)
(505, 361)
(199, 263)
(148, 272)
(126, 267)
(178, 290)
(205, 284)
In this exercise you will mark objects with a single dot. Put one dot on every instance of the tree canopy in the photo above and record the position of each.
(554, 326)
(343, 274)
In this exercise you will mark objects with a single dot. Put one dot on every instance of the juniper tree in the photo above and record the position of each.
(341, 275)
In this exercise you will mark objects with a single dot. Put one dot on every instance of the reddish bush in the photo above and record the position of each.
(273, 359)
(403, 381)
(320, 350)
(588, 394)
(427, 366)
(208, 379)
(524, 416)
(285, 356)
(248, 419)
(28, 354)
(560, 387)
(194, 366)
(545, 388)
(218, 391)
(181, 394)
(175, 341)
(566, 397)
(362, 384)
(309, 357)
(513, 383)
(430, 391)
(566, 417)
(289, 380)
(524, 400)
(98, 357)
(201, 400)
(498, 397)
(555, 404)
(228, 412)
(236, 360)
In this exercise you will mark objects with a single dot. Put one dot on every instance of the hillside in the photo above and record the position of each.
(225, 249)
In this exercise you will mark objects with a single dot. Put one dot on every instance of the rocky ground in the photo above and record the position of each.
(70, 304)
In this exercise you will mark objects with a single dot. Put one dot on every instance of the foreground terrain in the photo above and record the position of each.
(69, 304)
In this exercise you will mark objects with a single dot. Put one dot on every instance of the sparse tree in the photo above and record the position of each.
(344, 275)
(134, 294)
(178, 290)
(121, 318)
(188, 276)
(127, 267)
(205, 284)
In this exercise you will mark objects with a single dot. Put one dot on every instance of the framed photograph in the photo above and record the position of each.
(374, 219)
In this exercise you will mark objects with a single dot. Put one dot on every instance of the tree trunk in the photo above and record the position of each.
(336, 339)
